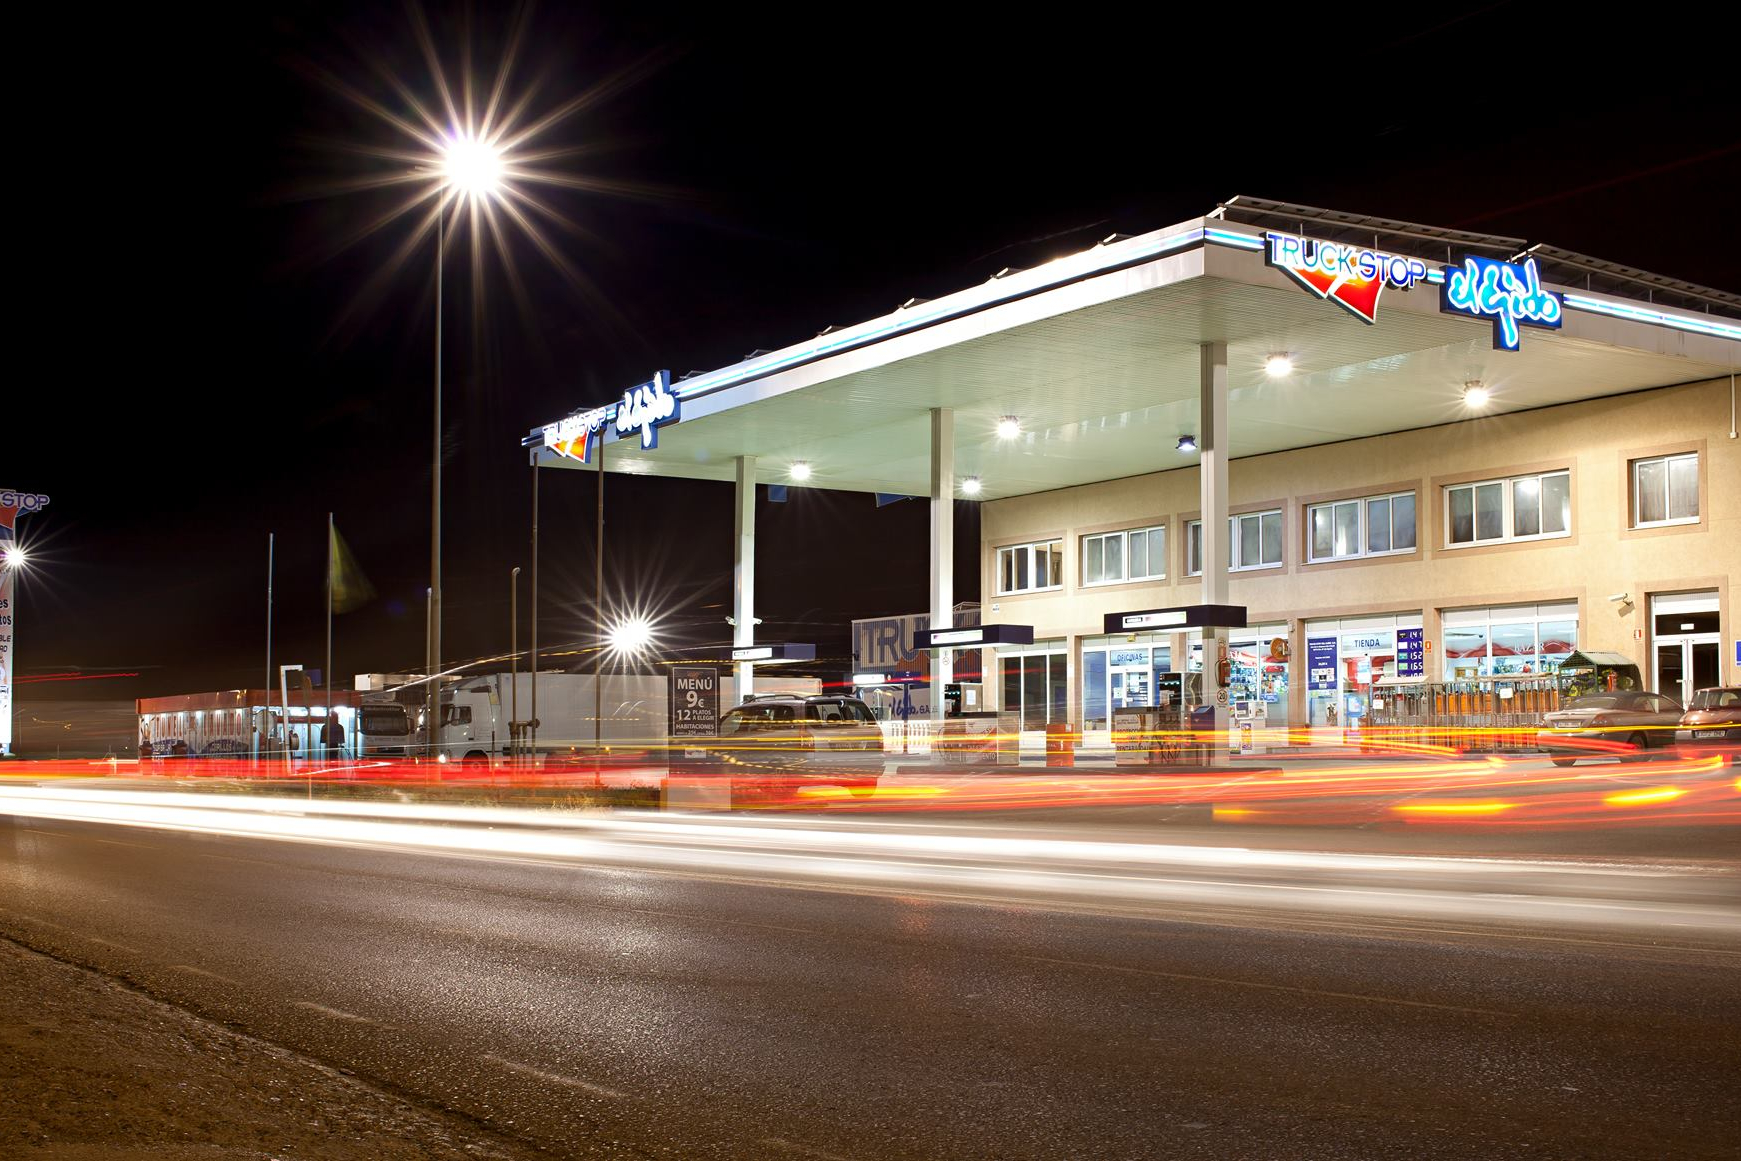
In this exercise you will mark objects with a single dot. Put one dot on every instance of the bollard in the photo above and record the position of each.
(1060, 745)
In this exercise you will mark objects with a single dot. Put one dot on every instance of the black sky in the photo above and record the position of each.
(191, 370)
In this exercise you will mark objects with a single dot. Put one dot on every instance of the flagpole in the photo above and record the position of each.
(260, 740)
(326, 731)
(534, 727)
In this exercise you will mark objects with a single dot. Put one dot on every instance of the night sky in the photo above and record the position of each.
(210, 365)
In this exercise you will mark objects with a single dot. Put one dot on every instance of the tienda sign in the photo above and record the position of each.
(1349, 276)
(1508, 293)
(645, 408)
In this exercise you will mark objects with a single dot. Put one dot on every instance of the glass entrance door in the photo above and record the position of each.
(1688, 665)
(1671, 670)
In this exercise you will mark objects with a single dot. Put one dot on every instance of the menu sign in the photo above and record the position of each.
(694, 701)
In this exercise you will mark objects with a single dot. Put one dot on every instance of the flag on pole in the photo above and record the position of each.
(351, 590)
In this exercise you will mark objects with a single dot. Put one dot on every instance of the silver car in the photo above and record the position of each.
(1609, 725)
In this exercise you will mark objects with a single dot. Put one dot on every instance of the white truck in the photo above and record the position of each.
(476, 711)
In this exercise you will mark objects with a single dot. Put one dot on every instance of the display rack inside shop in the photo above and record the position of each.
(1470, 715)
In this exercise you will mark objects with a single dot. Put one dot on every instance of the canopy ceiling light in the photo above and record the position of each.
(1278, 366)
(970, 486)
(800, 471)
(1009, 427)
(1187, 443)
(1476, 394)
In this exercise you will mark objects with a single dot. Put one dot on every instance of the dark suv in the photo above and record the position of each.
(824, 739)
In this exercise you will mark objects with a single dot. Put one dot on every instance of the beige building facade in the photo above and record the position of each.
(1488, 545)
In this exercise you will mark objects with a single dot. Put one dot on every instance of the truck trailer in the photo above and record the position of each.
(632, 711)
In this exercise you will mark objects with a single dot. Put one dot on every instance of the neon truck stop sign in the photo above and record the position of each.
(1349, 276)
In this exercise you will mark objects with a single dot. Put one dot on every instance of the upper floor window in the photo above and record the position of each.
(1370, 526)
(1254, 541)
(1520, 508)
(1025, 568)
(1137, 554)
(1665, 490)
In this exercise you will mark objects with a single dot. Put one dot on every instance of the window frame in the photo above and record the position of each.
(1027, 548)
(1123, 536)
(1507, 486)
(1234, 564)
(1667, 460)
(1363, 532)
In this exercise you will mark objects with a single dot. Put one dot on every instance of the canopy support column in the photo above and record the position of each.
(743, 570)
(1212, 484)
(942, 548)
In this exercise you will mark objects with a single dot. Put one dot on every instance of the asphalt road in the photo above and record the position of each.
(667, 995)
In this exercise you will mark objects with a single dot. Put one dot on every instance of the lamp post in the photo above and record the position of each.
(627, 638)
(471, 169)
(514, 663)
(12, 561)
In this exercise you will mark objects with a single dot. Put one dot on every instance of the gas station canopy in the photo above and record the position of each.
(1096, 357)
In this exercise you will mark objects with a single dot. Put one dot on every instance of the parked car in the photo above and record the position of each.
(1713, 719)
(780, 741)
(1622, 724)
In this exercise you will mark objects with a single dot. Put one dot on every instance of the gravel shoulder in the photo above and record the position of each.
(92, 1069)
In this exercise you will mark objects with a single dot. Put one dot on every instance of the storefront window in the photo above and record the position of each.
(1094, 689)
(1036, 684)
(1556, 640)
(1512, 640)
(1465, 651)
(1512, 649)
(1349, 662)
(1254, 675)
(1122, 675)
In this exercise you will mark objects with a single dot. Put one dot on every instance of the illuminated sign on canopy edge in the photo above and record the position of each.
(645, 407)
(1508, 293)
(1349, 276)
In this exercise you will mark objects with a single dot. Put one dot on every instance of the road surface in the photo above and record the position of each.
(746, 988)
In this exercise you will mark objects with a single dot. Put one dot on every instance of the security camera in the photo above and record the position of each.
(1621, 597)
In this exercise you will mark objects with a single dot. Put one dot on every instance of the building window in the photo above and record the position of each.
(1521, 508)
(1665, 490)
(1508, 640)
(1139, 554)
(1371, 526)
(1254, 541)
(1026, 568)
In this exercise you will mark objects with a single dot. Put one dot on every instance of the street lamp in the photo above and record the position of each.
(470, 169)
(627, 638)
